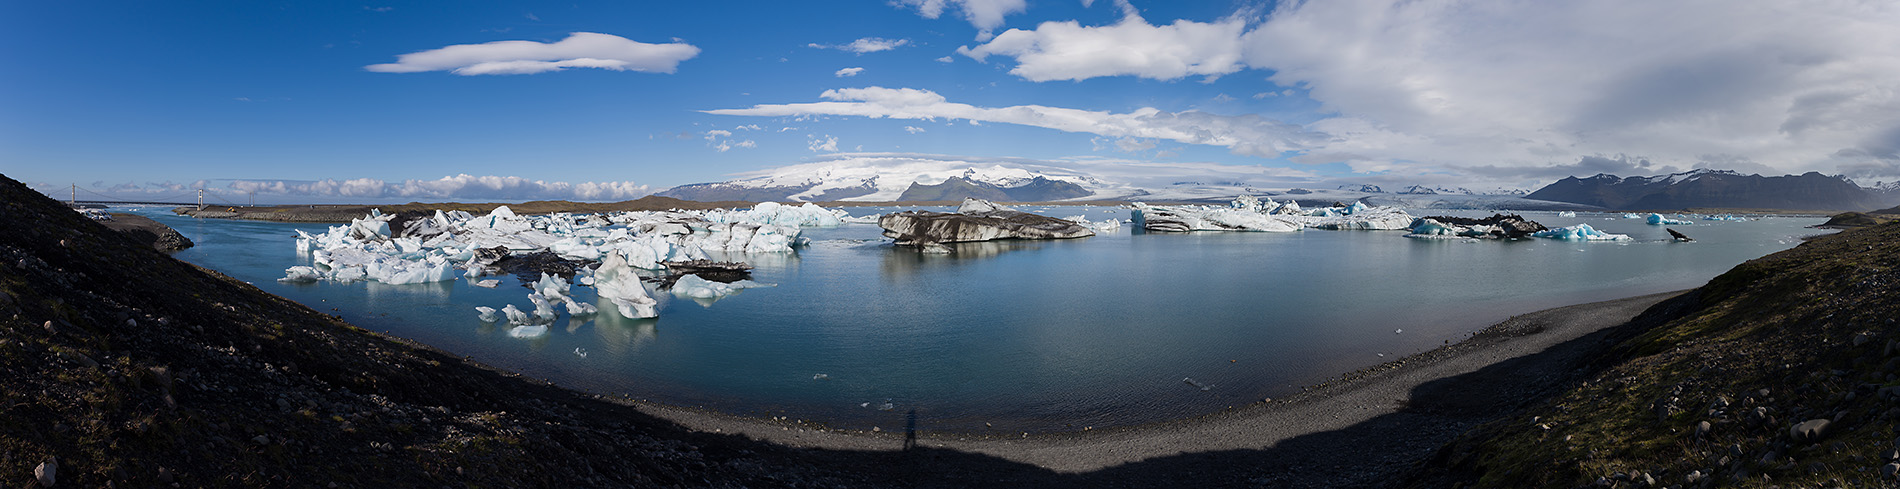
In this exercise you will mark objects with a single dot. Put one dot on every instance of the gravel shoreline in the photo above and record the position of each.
(1360, 429)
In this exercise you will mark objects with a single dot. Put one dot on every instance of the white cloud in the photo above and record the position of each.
(985, 15)
(945, 59)
(578, 50)
(913, 129)
(865, 45)
(462, 186)
(748, 127)
(1432, 83)
(1224, 98)
(826, 144)
(849, 72)
(1246, 134)
(1133, 47)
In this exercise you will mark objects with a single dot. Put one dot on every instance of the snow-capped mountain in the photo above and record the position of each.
(890, 177)
(1711, 188)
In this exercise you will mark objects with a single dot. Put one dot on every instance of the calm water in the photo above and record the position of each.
(1028, 336)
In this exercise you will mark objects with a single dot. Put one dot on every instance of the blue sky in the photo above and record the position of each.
(154, 98)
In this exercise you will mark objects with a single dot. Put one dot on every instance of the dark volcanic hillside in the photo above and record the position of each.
(1783, 371)
(1711, 189)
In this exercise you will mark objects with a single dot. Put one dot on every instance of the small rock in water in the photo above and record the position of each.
(1199, 385)
(887, 406)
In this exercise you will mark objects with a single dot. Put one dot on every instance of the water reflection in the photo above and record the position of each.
(620, 334)
(905, 263)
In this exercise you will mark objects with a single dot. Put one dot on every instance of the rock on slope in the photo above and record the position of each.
(1780, 371)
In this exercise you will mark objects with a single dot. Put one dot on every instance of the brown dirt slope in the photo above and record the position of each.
(1730, 390)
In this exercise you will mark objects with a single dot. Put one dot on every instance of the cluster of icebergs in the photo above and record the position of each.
(383, 248)
(1247, 213)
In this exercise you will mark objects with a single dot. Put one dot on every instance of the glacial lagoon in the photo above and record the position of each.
(1026, 335)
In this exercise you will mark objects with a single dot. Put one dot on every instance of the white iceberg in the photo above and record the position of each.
(615, 281)
(528, 331)
(691, 286)
(515, 316)
(1659, 220)
(486, 314)
(1580, 232)
(1566, 214)
(1201, 218)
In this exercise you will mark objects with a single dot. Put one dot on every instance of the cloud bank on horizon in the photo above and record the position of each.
(1486, 88)
(1477, 93)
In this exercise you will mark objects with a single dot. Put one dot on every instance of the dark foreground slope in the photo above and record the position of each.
(128, 368)
(1780, 372)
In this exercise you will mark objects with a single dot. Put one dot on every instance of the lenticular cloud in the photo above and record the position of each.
(579, 50)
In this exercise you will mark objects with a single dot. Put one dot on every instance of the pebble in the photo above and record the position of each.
(1809, 431)
(1702, 429)
(261, 440)
(1890, 470)
(47, 472)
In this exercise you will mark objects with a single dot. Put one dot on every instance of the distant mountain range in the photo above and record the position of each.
(901, 177)
(1712, 188)
(883, 177)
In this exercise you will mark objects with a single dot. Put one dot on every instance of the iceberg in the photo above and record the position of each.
(1199, 218)
(1580, 232)
(528, 331)
(616, 282)
(693, 287)
(1566, 214)
(486, 314)
(1659, 220)
(515, 316)
(300, 274)
(975, 220)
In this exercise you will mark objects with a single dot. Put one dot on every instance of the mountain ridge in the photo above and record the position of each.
(1705, 188)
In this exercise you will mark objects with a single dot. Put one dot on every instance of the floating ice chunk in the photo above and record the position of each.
(691, 286)
(1197, 385)
(1197, 218)
(542, 308)
(576, 308)
(1632, 216)
(1659, 220)
(552, 288)
(820, 377)
(1580, 232)
(301, 274)
(1566, 214)
(515, 316)
(486, 314)
(1105, 225)
(490, 283)
(528, 331)
(582, 353)
(616, 282)
(1360, 217)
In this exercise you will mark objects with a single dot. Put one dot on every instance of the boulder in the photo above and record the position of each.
(975, 220)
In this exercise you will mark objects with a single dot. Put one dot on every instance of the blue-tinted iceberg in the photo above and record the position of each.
(1580, 232)
(1659, 220)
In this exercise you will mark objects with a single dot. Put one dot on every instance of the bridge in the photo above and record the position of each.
(173, 200)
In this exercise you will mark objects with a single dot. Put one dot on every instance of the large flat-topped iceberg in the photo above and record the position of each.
(975, 220)
(1659, 220)
(1248, 213)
